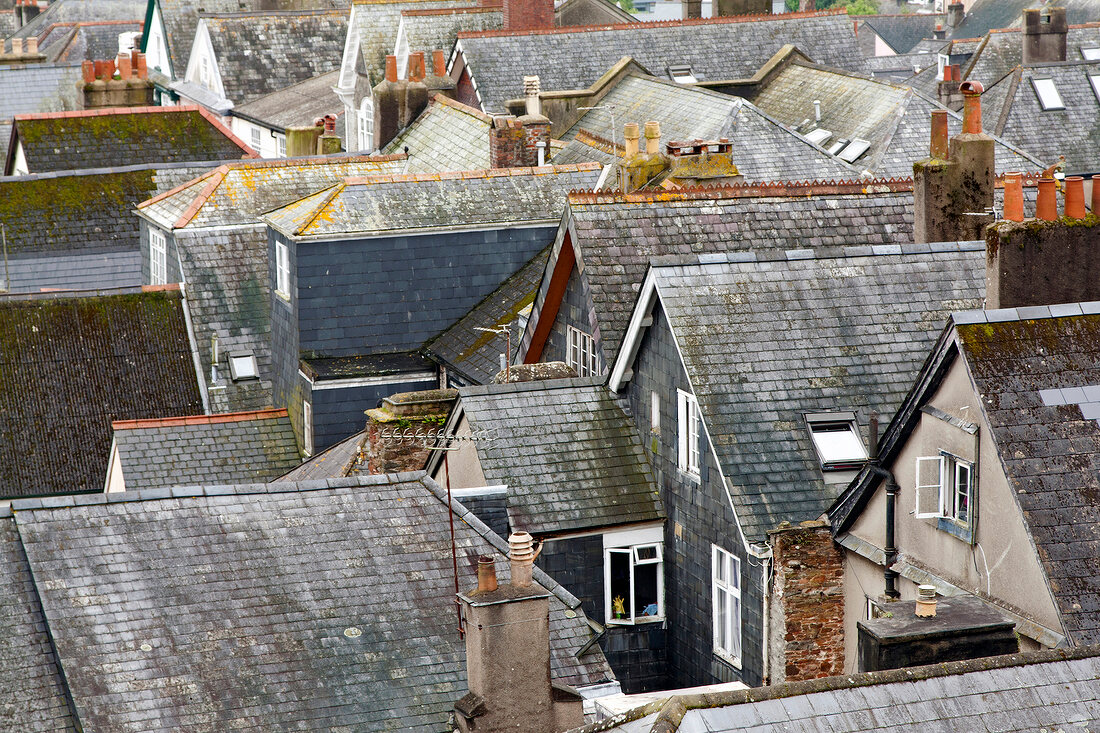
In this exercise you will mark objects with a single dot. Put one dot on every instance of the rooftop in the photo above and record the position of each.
(446, 136)
(295, 105)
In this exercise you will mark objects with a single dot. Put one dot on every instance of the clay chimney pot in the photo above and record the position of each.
(972, 106)
(1075, 197)
(1046, 207)
(938, 147)
(88, 69)
(439, 63)
(630, 139)
(391, 69)
(486, 574)
(1014, 197)
(652, 138)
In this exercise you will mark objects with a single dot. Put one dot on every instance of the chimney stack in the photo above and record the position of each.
(939, 33)
(947, 90)
(131, 89)
(955, 14)
(742, 7)
(389, 102)
(391, 448)
(1044, 34)
(439, 82)
(516, 141)
(692, 9)
(949, 195)
(525, 15)
(416, 91)
(508, 653)
(636, 169)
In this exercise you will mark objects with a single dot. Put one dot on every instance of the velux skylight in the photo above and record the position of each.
(836, 439)
(1049, 98)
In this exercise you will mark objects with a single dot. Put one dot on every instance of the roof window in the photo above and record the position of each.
(1090, 54)
(853, 150)
(1094, 80)
(836, 439)
(682, 74)
(839, 145)
(1049, 98)
(242, 365)
(819, 136)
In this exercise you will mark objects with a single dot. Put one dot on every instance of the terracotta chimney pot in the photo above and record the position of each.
(1096, 195)
(1046, 207)
(140, 65)
(416, 66)
(652, 138)
(926, 601)
(124, 67)
(1014, 197)
(1075, 197)
(88, 69)
(972, 106)
(938, 147)
(391, 69)
(630, 139)
(486, 573)
(439, 63)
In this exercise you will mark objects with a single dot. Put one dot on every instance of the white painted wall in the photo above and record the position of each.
(272, 143)
(156, 49)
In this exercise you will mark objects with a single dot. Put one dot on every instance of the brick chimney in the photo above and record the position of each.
(515, 141)
(389, 102)
(132, 88)
(947, 90)
(524, 15)
(692, 9)
(743, 7)
(392, 442)
(949, 194)
(639, 167)
(955, 14)
(1043, 260)
(440, 82)
(508, 653)
(1045, 32)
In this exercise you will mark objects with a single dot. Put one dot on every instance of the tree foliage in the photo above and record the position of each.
(855, 7)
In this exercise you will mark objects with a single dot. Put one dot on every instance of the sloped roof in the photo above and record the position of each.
(475, 355)
(767, 339)
(296, 105)
(428, 29)
(306, 605)
(738, 219)
(984, 16)
(104, 138)
(1002, 51)
(78, 11)
(489, 198)
(36, 88)
(446, 136)
(261, 53)
(763, 150)
(902, 32)
(32, 692)
(1041, 690)
(72, 363)
(900, 67)
(79, 41)
(498, 60)
(336, 461)
(236, 447)
(570, 456)
(238, 193)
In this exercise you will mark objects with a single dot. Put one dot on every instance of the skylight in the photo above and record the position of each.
(1049, 98)
(682, 74)
(242, 365)
(819, 136)
(1094, 79)
(853, 150)
(836, 439)
(1090, 54)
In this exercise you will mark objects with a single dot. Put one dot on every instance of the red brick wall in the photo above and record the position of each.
(528, 14)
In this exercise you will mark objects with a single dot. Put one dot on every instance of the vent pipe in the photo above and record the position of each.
(926, 601)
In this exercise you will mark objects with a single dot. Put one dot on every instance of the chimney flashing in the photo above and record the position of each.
(506, 593)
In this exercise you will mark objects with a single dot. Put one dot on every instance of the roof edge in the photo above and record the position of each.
(224, 417)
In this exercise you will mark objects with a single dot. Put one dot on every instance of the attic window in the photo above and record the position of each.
(1049, 98)
(242, 365)
(1094, 80)
(1090, 54)
(682, 74)
(853, 150)
(836, 439)
(819, 136)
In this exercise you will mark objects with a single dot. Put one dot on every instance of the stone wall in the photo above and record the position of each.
(407, 412)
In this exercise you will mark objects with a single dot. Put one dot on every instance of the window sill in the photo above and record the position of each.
(689, 475)
(640, 621)
(953, 528)
(734, 662)
(284, 296)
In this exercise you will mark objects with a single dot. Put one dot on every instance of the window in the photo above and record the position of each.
(158, 258)
(688, 433)
(726, 575)
(242, 365)
(204, 72)
(280, 141)
(634, 581)
(580, 352)
(256, 139)
(944, 488)
(682, 74)
(1094, 80)
(836, 439)
(1049, 98)
(365, 124)
(853, 150)
(820, 136)
(307, 427)
(1090, 54)
(282, 270)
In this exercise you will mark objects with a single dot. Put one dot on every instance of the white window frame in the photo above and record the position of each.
(1050, 99)
(158, 257)
(243, 366)
(205, 75)
(688, 455)
(580, 352)
(939, 480)
(280, 144)
(282, 270)
(364, 118)
(307, 427)
(256, 138)
(632, 544)
(726, 586)
(828, 422)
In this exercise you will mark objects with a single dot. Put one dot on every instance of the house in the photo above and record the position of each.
(73, 362)
(263, 122)
(34, 88)
(891, 35)
(265, 606)
(79, 11)
(990, 454)
(446, 136)
(488, 67)
(570, 469)
(236, 58)
(230, 448)
(207, 233)
(88, 40)
(64, 141)
(365, 272)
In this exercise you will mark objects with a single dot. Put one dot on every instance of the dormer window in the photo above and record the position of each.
(836, 440)
(1047, 92)
(682, 74)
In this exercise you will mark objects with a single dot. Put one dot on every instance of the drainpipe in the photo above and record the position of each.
(763, 551)
(890, 575)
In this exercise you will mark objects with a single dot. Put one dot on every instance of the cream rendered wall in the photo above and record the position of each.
(269, 144)
(464, 465)
(882, 48)
(156, 50)
(1014, 577)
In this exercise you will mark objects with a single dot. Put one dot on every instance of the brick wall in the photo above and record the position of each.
(528, 14)
(807, 603)
(424, 411)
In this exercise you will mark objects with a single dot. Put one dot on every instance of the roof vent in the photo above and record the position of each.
(926, 601)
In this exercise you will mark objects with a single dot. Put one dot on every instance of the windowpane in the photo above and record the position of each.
(929, 479)
(619, 587)
(282, 268)
(645, 589)
(837, 442)
(634, 583)
(727, 603)
(158, 258)
(962, 493)
(1049, 98)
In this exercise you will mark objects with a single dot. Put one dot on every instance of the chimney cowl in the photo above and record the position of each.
(972, 106)
(926, 601)
(522, 553)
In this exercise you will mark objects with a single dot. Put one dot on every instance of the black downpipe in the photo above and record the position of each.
(891, 551)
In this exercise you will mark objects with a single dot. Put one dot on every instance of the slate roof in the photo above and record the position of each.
(253, 608)
(426, 30)
(617, 236)
(32, 693)
(79, 11)
(296, 105)
(1002, 51)
(36, 88)
(498, 60)
(1069, 132)
(336, 461)
(899, 67)
(381, 204)
(474, 355)
(571, 458)
(76, 42)
(1042, 690)
(446, 136)
(902, 32)
(984, 16)
(763, 150)
(766, 340)
(261, 53)
(238, 447)
(71, 364)
(124, 136)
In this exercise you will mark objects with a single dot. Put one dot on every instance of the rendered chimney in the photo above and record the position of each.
(947, 90)
(508, 653)
(389, 103)
(743, 7)
(955, 14)
(638, 168)
(536, 126)
(692, 9)
(522, 15)
(1044, 35)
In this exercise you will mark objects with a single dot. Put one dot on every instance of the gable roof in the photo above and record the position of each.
(1041, 690)
(446, 136)
(487, 199)
(36, 88)
(296, 105)
(78, 11)
(72, 363)
(261, 53)
(236, 447)
(254, 607)
(763, 149)
(32, 691)
(765, 340)
(103, 138)
(902, 32)
(498, 60)
(570, 456)
(1001, 51)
